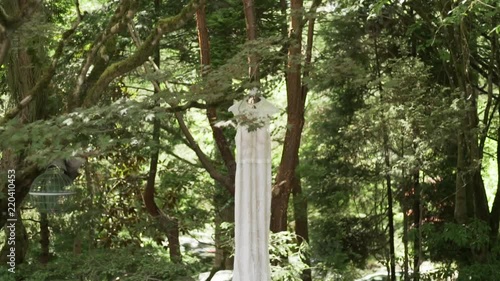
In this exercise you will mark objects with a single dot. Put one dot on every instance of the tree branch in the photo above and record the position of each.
(142, 53)
(211, 113)
(4, 18)
(205, 161)
(191, 142)
(183, 159)
(78, 11)
(173, 132)
(123, 13)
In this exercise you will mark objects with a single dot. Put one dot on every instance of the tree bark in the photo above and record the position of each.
(295, 122)
(4, 44)
(220, 139)
(23, 70)
(300, 201)
(461, 210)
(461, 48)
(224, 205)
(495, 209)
(14, 13)
(168, 224)
(296, 97)
(38, 87)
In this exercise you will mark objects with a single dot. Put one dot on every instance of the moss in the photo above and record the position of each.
(163, 26)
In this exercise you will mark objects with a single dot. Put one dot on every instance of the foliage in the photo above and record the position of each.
(454, 242)
(126, 263)
(477, 271)
(389, 84)
(347, 240)
(287, 257)
(384, 91)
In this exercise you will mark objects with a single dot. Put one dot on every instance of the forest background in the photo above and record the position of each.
(385, 152)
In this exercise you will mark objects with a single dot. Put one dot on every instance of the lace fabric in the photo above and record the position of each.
(253, 190)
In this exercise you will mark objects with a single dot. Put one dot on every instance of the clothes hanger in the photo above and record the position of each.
(253, 97)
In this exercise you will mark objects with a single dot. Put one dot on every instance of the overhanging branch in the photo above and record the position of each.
(142, 54)
(123, 13)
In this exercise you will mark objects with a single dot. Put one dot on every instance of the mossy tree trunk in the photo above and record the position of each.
(24, 64)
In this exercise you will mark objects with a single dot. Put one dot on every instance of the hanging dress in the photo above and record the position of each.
(252, 190)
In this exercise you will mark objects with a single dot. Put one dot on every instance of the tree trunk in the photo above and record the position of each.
(296, 97)
(301, 222)
(295, 122)
(167, 224)
(461, 210)
(20, 239)
(404, 208)
(224, 205)
(387, 164)
(417, 247)
(220, 139)
(461, 54)
(495, 209)
(44, 238)
(4, 44)
(390, 217)
(224, 213)
(300, 201)
(23, 68)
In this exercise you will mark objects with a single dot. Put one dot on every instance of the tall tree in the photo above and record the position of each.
(296, 87)
(24, 66)
(224, 206)
(167, 222)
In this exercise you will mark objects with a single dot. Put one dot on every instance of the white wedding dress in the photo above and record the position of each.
(253, 190)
